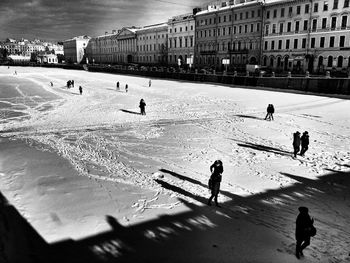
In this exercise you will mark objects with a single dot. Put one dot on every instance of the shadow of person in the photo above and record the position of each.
(131, 112)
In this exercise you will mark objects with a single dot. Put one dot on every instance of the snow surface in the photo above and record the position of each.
(73, 159)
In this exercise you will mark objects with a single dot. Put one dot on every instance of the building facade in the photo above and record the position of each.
(74, 49)
(47, 59)
(231, 31)
(301, 35)
(181, 34)
(152, 44)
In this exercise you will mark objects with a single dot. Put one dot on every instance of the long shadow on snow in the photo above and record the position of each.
(132, 112)
(163, 239)
(264, 148)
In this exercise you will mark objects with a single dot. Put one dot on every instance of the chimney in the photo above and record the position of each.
(196, 10)
(114, 31)
(106, 32)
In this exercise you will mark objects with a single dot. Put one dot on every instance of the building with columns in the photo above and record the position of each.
(229, 30)
(311, 35)
(74, 49)
(181, 33)
(152, 44)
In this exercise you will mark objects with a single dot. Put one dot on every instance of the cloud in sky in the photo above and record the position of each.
(62, 19)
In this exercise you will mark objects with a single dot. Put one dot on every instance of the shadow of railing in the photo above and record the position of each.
(173, 238)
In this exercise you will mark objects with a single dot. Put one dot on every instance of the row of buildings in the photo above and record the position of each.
(284, 35)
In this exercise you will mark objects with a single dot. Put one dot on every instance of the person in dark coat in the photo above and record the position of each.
(126, 87)
(149, 83)
(302, 231)
(142, 107)
(68, 84)
(304, 143)
(216, 170)
(80, 90)
(72, 83)
(118, 85)
(296, 143)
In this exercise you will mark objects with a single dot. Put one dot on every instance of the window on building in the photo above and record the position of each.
(268, 14)
(340, 61)
(219, 19)
(331, 41)
(287, 43)
(344, 21)
(290, 10)
(346, 4)
(307, 8)
(258, 27)
(325, 5)
(230, 18)
(267, 27)
(335, 4)
(265, 45)
(241, 16)
(259, 13)
(272, 45)
(170, 30)
(330, 61)
(274, 28)
(322, 41)
(281, 28)
(191, 27)
(279, 44)
(246, 15)
(251, 27)
(303, 43)
(334, 23)
(245, 28)
(289, 26)
(295, 43)
(315, 7)
(314, 24)
(305, 24)
(341, 41)
(275, 13)
(240, 29)
(297, 23)
(324, 23)
(234, 30)
(298, 9)
(224, 18)
(313, 41)
(235, 17)
(223, 31)
(282, 12)
(253, 13)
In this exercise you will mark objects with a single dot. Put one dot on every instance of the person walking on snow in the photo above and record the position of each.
(303, 231)
(126, 87)
(80, 90)
(270, 111)
(117, 86)
(216, 170)
(149, 83)
(304, 143)
(296, 143)
(142, 107)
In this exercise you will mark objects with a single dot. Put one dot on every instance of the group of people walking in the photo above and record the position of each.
(302, 141)
(304, 229)
(70, 84)
(117, 85)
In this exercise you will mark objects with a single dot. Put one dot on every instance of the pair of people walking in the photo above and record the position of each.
(303, 141)
(269, 112)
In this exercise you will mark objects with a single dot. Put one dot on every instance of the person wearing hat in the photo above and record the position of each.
(302, 231)
(296, 143)
(216, 170)
(304, 143)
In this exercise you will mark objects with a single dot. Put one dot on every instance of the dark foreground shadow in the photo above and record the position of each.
(131, 112)
(174, 238)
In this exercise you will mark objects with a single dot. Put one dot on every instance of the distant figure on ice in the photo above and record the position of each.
(15, 72)
(216, 170)
(149, 83)
(270, 111)
(304, 143)
(72, 82)
(142, 107)
(68, 84)
(51, 83)
(126, 87)
(304, 230)
(296, 143)
(117, 85)
(80, 90)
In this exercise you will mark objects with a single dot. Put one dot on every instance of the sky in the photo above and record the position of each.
(58, 20)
